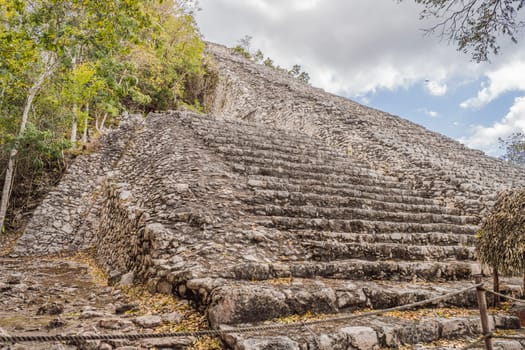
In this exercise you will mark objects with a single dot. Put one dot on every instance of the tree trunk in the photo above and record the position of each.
(523, 287)
(8, 184)
(74, 125)
(85, 132)
(101, 126)
(496, 287)
(8, 181)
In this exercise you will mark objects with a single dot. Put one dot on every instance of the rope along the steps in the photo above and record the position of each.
(505, 296)
(475, 342)
(76, 338)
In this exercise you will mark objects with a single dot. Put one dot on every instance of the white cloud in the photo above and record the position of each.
(428, 112)
(506, 78)
(486, 138)
(436, 88)
(348, 47)
(356, 48)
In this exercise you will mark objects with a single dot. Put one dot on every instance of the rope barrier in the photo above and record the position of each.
(508, 337)
(490, 335)
(476, 342)
(504, 296)
(240, 330)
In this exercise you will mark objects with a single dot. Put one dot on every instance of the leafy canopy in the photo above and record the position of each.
(514, 147)
(475, 26)
(108, 56)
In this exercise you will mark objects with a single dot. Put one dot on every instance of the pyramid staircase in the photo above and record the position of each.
(255, 224)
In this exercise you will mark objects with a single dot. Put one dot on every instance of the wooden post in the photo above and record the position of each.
(483, 313)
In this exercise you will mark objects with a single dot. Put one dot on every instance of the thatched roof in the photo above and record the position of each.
(501, 241)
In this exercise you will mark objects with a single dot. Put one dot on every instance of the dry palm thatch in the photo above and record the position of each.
(501, 243)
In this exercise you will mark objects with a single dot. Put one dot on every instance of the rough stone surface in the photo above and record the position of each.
(285, 200)
(277, 343)
(450, 172)
(86, 307)
(362, 338)
(66, 219)
(148, 321)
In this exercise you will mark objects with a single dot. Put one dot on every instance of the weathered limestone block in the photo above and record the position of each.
(361, 338)
(448, 170)
(67, 218)
(276, 343)
(241, 304)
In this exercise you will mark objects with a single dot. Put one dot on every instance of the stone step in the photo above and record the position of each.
(231, 127)
(360, 226)
(345, 174)
(342, 165)
(334, 181)
(309, 211)
(237, 127)
(260, 135)
(308, 156)
(336, 189)
(228, 302)
(428, 238)
(284, 146)
(329, 251)
(354, 269)
(299, 162)
(384, 332)
(320, 200)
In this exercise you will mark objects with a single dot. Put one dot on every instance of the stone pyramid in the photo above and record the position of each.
(284, 201)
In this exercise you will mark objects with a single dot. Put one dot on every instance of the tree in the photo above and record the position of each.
(81, 32)
(24, 70)
(243, 49)
(49, 65)
(71, 63)
(501, 240)
(514, 147)
(475, 26)
(297, 73)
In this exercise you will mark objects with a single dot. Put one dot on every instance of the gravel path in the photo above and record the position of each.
(68, 295)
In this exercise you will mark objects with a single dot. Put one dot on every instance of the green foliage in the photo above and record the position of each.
(39, 150)
(475, 26)
(110, 56)
(258, 57)
(243, 49)
(268, 62)
(239, 50)
(297, 73)
(514, 147)
(168, 54)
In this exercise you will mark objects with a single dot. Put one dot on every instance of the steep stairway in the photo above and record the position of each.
(254, 223)
(443, 168)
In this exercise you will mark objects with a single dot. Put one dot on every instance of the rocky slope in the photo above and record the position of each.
(444, 168)
(288, 201)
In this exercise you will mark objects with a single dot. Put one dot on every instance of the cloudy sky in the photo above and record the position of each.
(375, 52)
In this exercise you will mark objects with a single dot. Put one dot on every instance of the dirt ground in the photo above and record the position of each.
(69, 295)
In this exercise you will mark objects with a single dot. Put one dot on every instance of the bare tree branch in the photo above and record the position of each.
(474, 26)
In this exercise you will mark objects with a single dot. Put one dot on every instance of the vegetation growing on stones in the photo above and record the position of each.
(243, 49)
(501, 240)
(514, 147)
(475, 26)
(67, 68)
